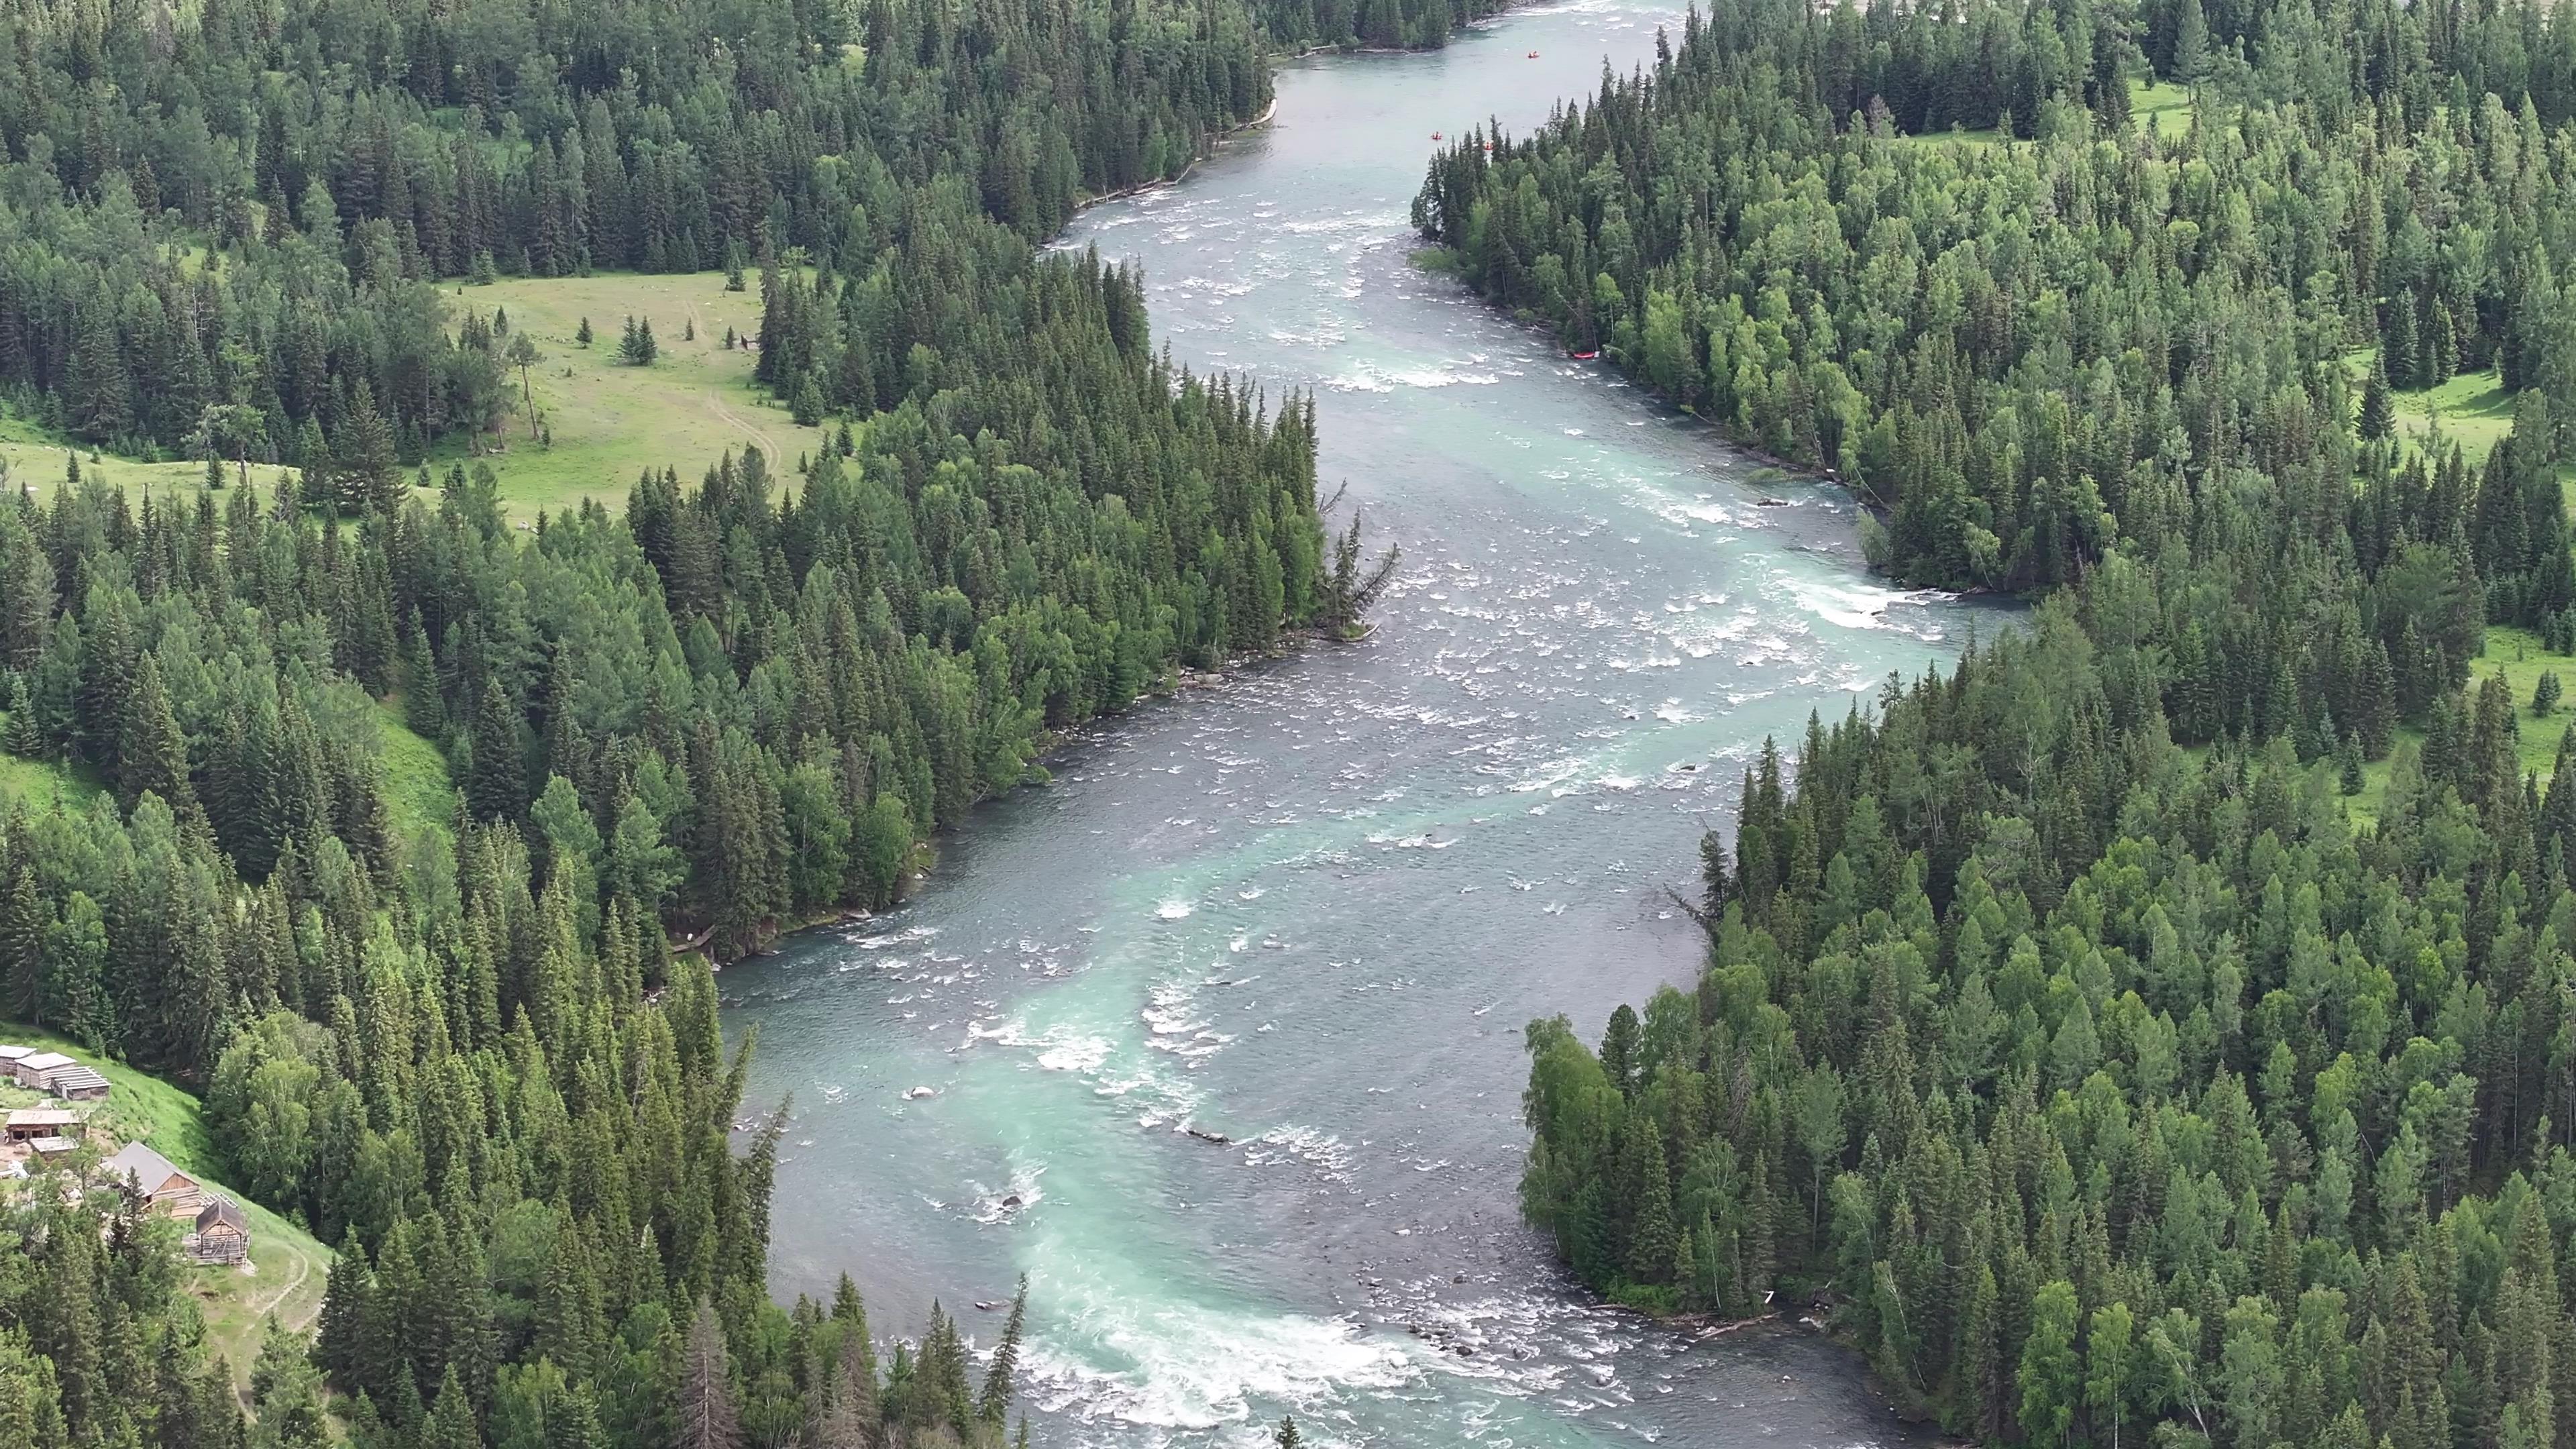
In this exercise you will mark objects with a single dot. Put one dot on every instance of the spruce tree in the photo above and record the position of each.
(702, 1397)
(2378, 408)
(2398, 353)
(21, 738)
(366, 474)
(497, 786)
(154, 757)
(994, 1405)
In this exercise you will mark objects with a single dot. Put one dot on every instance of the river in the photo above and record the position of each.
(1310, 909)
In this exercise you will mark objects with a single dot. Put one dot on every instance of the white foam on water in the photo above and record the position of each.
(1120, 1357)
(1173, 910)
(1080, 1054)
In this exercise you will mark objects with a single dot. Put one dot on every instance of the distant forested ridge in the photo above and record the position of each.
(2022, 352)
(1380, 24)
(2067, 1026)
(398, 808)
(341, 160)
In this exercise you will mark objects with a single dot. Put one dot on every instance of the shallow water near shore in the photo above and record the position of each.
(1222, 1028)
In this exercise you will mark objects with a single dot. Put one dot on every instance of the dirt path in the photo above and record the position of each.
(303, 1271)
(730, 418)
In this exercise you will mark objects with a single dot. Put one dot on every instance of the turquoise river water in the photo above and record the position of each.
(1309, 910)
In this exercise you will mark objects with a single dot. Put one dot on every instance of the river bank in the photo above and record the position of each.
(1309, 911)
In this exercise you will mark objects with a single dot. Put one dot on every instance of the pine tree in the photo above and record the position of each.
(2191, 44)
(637, 349)
(2397, 348)
(365, 470)
(21, 738)
(24, 920)
(154, 757)
(994, 1406)
(497, 786)
(1286, 1436)
(1652, 1240)
(582, 336)
(2441, 346)
(424, 708)
(339, 1348)
(2545, 694)
(703, 1396)
(2378, 408)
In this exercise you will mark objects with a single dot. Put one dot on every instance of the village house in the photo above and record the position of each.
(36, 1069)
(222, 1234)
(26, 1124)
(154, 1181)
(9, 1058)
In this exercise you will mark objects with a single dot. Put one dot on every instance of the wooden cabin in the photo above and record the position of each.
(222, 1234)
(26, 1124)
(36, 1069)
(155, 1181)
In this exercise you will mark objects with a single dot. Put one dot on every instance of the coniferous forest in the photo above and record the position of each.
(464, 1040)
(2068, 1033)
(1297, 25)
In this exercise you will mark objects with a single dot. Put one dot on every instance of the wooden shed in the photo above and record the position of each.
(26, 1124)
(222, 1234)
(77, 1083)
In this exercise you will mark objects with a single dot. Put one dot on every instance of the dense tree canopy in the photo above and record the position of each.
(436, 1012)
(2062, 1026)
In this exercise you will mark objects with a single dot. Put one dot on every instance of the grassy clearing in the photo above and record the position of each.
(33, 453)
(43, 785)
(288, 1267)
(417, 792)
(1985, 136)
(2472, 409)
(2518, 655)
(610, 422)
(2165, 104)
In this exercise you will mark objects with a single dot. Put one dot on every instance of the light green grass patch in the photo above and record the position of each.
(610, 422)
(288, 1267)
(34, 455)
(1984, 136)
(2518, 655)
(43, 784)
(2167, 104)
(2472, 409)
(417, 792)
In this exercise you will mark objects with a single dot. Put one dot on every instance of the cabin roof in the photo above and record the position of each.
(44, 1061)
(73, 1078)
(221, 1212)
(43, 1117)
(143, 1167)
